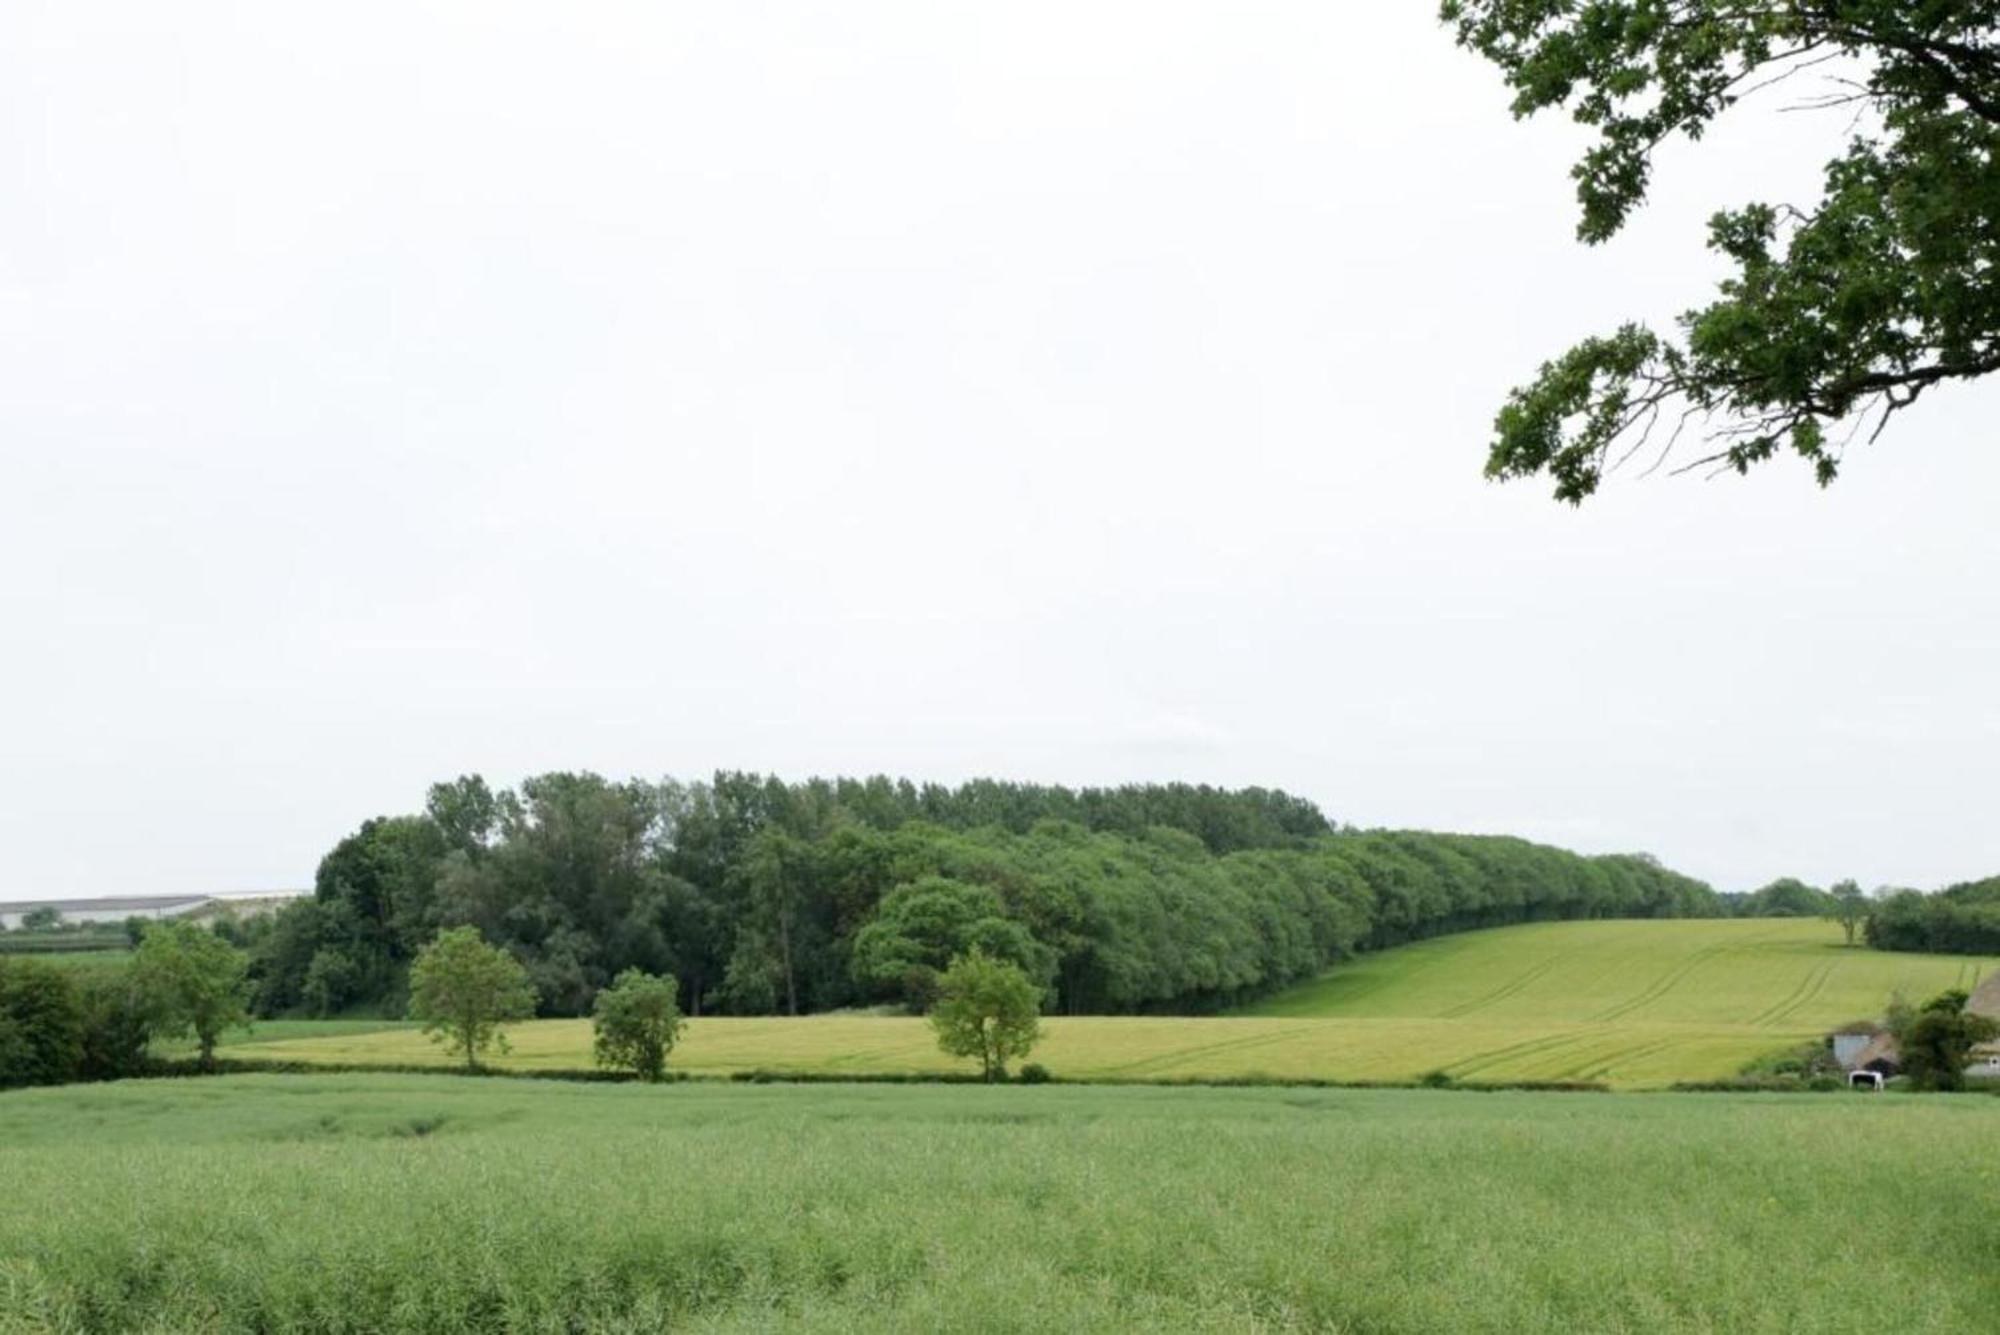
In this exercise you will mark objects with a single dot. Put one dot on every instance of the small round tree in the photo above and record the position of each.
(988, 1009)
(464, 990)
(192, 981)
(1848, 905)
(638, 1020)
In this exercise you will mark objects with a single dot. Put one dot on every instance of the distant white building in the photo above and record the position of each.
(116, 909)
(1986, 1001)
(1847, 1048)
(120, 907)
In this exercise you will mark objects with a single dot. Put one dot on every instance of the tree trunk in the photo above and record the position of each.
(785, 958)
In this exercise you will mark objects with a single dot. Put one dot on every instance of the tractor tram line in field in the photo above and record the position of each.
(1527, 979)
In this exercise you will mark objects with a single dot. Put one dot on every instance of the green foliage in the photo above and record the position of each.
(47, 918)
(41, 1024)
(60, 1023)
(920, 926)
(761, 896)
(117, 1024)
(987, 1009)
(464, 989)
(637, 1021)
(1802, 1063)
(1786, 897)
(1937, 1040)
(1961, 920)
(192, 982)
(330, 982)
(1838, 314)
(1849, 907)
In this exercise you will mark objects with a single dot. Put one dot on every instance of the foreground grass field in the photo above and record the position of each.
(353, 1203)
(1631, 1004)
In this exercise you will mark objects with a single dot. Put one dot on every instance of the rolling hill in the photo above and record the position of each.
(1769, 974)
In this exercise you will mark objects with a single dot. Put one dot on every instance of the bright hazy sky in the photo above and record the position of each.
(1081, 393)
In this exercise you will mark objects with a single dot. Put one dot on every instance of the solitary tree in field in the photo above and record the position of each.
(1849, 908)
(1938, 1038)
(1840, 312)
(988, 1009)
(464, 990)
(638, 1021)
(192, 981)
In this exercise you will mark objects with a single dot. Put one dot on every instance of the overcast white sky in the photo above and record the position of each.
(1072, 392)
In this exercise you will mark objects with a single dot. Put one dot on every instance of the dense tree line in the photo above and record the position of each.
(762, 896)
(1786, 897)
(60, 1024)
(1960, 920)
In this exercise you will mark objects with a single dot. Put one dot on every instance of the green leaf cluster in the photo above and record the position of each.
(59, 1025)
(1960, 920)
(1839, 312)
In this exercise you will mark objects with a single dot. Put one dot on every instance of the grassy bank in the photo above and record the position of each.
(347, 1203)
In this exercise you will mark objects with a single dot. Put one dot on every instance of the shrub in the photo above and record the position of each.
(116, 1026)
(638, 1020)
(1802, 1062)
(330, 981)
(1034, 1073)
(1937, 1040)
(41, 1024)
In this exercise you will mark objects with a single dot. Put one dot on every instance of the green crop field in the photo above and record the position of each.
(1631, 1004)
(73, 959)
(381, 1202)
(1769, 973)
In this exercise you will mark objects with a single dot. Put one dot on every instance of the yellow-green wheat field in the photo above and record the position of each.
(1634, 1005)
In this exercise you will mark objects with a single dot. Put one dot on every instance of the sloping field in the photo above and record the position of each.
(1772, 974)
(1632, 1004)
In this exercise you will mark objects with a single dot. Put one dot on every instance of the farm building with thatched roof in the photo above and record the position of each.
(1985, 1000)
(1986, 997)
